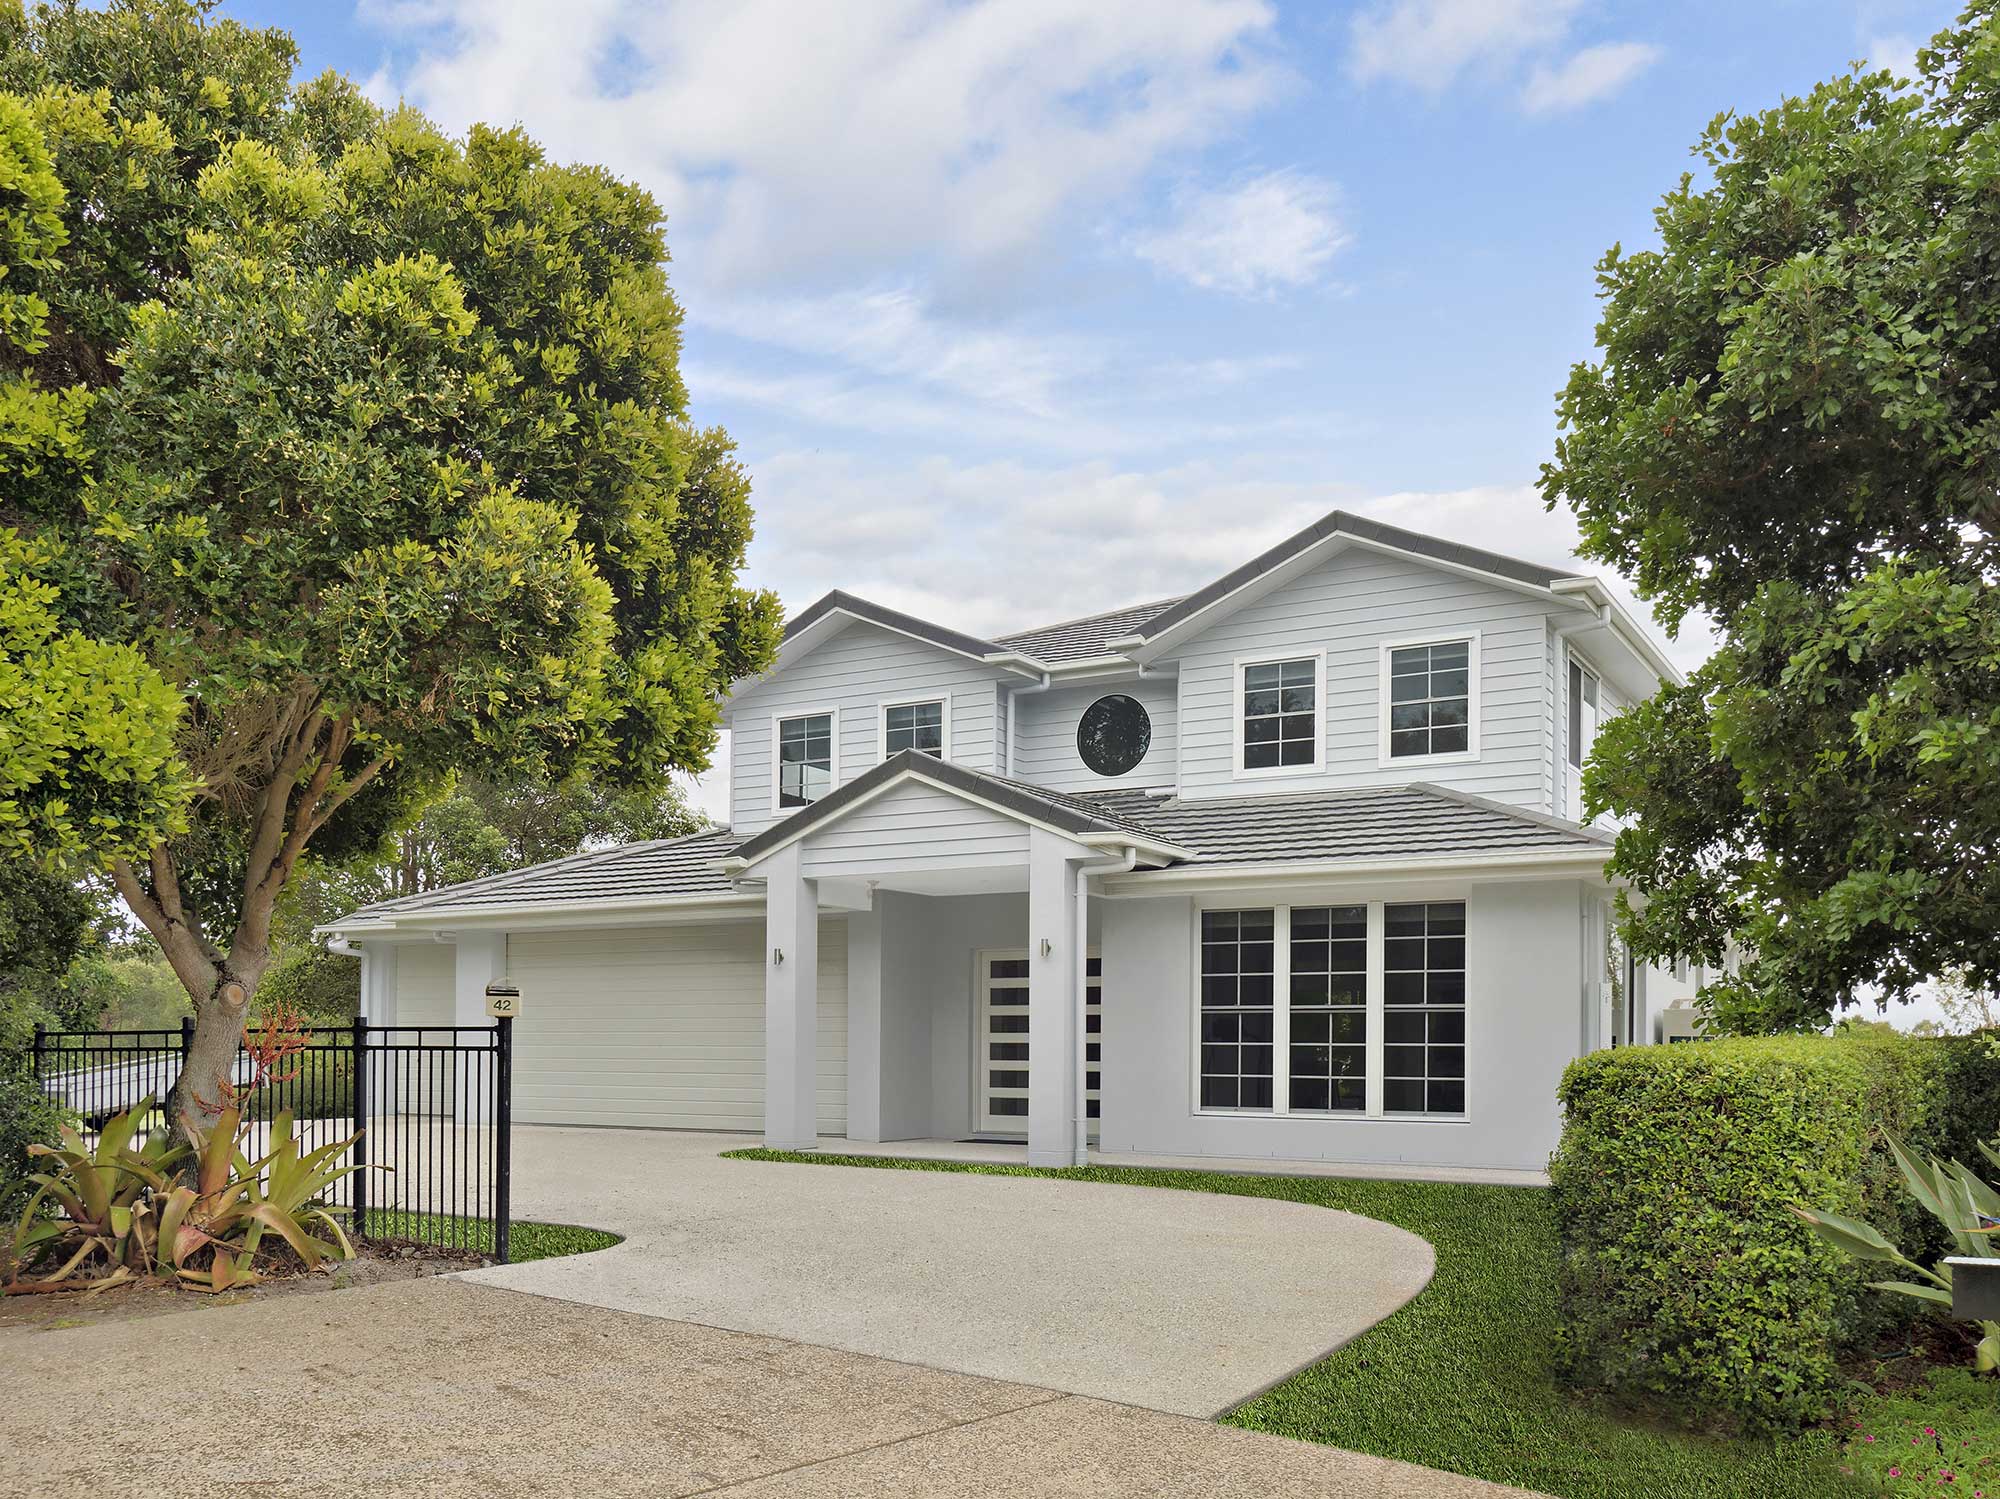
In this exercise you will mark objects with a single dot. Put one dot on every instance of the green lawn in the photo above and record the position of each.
(1462, 1377)
(526, 1241)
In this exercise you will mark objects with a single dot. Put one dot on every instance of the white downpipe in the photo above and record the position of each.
(1080, 1147)
(1012, 725)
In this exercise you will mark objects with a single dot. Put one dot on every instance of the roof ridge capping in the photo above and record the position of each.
(1362, 528)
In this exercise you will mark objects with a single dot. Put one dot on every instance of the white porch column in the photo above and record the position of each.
(481, 957)
(1052, 966)
(791, 1003)
(866, 1037)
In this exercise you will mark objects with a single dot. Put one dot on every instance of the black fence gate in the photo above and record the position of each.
(431, 1108)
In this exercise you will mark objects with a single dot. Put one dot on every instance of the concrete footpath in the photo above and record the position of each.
(447, 1388)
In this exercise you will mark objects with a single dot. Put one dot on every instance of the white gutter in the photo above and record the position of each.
(1080, 1118)
(1014, 693)
(341, 947)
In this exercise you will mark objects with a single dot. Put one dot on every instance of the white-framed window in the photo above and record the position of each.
(922, 723)
(804, 748)
(1584, 696)
(1430, 700)
(1355, 1009)
(1279, 701)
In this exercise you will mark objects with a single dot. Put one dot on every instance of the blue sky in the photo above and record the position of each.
(1019, 309)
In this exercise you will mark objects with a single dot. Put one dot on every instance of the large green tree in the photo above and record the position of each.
(1794, 425)
(390, 471)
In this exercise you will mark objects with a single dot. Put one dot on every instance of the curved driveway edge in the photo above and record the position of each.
(1176, 1301)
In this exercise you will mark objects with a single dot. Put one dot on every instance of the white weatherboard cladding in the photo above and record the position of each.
(662, 1027)
(1348, 608)
(424, 983)
(1045, 738)
(914, 827)
(856, 672)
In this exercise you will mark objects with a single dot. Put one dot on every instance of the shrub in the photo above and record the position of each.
(1683, 1276)
(28, 1116)
(323, 986)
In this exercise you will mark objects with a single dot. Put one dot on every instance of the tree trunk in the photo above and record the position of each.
(198, 1095)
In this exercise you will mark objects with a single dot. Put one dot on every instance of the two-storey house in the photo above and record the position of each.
(1288, 868)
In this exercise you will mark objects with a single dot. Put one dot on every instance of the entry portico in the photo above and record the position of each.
(919, 827)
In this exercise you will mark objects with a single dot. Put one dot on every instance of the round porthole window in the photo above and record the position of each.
(1114, 734)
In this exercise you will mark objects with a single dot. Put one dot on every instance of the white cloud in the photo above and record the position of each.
(1428, 43)
(1896, 53)
(1586, 76)
(792, 142)
(1431, 44)
(1276, 231)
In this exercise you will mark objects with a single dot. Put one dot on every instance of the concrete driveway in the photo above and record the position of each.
(1176, 1301)
(438, 1389)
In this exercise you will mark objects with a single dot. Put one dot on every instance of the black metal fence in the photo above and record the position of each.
(430, 1109)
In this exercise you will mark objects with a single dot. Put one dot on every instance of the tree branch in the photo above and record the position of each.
(189, 956)
(274, 803)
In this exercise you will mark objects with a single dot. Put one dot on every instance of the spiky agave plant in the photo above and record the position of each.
(107, 1232)
(1950, 1192)
(235, 1201)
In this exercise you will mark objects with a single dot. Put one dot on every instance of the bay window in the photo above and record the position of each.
(1355, 1009)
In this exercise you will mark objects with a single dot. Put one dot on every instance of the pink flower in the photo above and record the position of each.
(1895, 1472)
(1868, 1439)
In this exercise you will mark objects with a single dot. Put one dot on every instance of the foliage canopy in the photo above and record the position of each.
(1792, 425)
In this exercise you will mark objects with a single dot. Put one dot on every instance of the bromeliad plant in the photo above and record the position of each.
(123, 1214)
(1953, 1194)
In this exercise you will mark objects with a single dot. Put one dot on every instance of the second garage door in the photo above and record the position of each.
(661, 1027)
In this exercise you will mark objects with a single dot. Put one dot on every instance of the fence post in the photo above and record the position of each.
(503, 1141)
(187, 1037)
(357, 1091)
(41, 1042)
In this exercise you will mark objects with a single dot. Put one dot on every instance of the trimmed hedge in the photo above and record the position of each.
(1683, 1278)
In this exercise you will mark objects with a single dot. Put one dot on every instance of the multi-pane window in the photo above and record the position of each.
(1281, 714)
(805, 759)
(1583, 717)
(1238, 994)
(1430, 699)
(1329, 1007)
(1363, 1006)
(917, 726)
(1423, 1008)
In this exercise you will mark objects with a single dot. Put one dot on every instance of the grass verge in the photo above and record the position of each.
(1462, 1378)
(525, 1241)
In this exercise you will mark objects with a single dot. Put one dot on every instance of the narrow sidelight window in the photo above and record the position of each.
(917, 726)
(1430, 700)
(1237, 995)
(1583, 717)
(1423, 1056)
(1329, 1007)
(805, 759)
(1281, 714)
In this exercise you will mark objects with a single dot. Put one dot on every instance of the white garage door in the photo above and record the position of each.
(660, 1027)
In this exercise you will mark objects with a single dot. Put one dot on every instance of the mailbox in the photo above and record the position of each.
(503, 999)
(1975, 1288)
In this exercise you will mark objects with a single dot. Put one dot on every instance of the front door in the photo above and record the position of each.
(1003, 1039)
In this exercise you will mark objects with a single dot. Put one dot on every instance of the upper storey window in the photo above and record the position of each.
(1430, 699)
(1277, 716)
(1584, 713)
(917, 726)
(804, 759)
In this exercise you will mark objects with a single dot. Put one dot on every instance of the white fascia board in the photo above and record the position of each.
(615, 910)
(1631, 632)
(1544, 864)
(1146, 848)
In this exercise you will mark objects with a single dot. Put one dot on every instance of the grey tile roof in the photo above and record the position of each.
(1400, 822)
(1340, 522)
(661, 868)
(1080, 639)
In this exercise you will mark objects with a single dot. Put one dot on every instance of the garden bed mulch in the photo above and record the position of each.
(374, 1264)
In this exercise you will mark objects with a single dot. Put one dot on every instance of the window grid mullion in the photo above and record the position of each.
(1281, 1010)
(1377, 1010)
